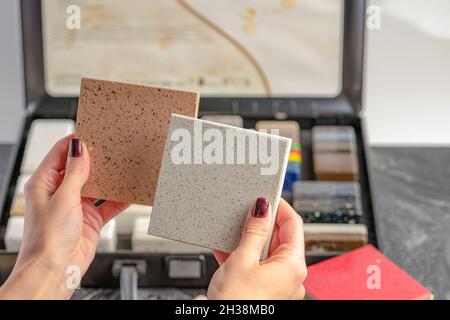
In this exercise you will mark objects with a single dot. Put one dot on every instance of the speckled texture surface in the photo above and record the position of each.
(206, 204)
(125, 127)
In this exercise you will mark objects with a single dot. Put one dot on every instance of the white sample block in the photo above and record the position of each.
(125, 220)
(44, 133)
(143, 242)
(108, 237)
(14, 234)
(18, 203)
(231, 120)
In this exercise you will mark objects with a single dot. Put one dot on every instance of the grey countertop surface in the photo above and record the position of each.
(411, 189)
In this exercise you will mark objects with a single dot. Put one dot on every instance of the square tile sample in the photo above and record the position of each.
(336, 166)
(125, 127)
(328, 202)
(287, 129)
(333, 139)
(211, 174)
(335, 154)
(44, 133)
(334, 237)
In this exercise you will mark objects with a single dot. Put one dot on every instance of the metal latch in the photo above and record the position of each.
(128, 272)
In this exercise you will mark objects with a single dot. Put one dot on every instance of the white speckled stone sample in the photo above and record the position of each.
(125, 220)
(44, 133)
(124, 127)
(108, 237)
(231, 120)
(18, 203)
(206, 204)
(143, 242)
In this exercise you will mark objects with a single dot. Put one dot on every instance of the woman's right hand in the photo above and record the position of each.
(241, 274)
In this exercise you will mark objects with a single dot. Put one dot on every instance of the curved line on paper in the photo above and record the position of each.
(233, 41)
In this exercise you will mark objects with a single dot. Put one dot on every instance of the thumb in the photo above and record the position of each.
(256, 230)
(76, 171)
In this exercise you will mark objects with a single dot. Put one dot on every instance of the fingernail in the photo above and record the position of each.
(75, 148)
(261, 208)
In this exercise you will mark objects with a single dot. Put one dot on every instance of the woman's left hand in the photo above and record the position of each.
(62, 229)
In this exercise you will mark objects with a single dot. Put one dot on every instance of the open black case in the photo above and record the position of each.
(153, 269)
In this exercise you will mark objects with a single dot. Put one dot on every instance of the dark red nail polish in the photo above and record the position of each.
(261, 208)
(75, 148)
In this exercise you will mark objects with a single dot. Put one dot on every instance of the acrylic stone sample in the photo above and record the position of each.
(336, 166)
(288, 129)
(333, 139)
(108, 237)
(321, 237)
(14, 233)
(44, 133)
(328, 201)
(363, 274)
(211, 175)
(125, 127)
(18, 203)
(143, 242)
(335, 153)
(125, 220)
(231, 120)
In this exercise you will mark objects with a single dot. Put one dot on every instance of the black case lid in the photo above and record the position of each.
(347, 102)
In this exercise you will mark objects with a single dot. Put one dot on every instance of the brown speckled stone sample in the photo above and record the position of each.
(206, 204)
(125, 126)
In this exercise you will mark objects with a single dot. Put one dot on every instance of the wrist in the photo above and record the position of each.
(36, 278)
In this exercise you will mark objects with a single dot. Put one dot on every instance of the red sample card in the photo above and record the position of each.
(362, 274)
